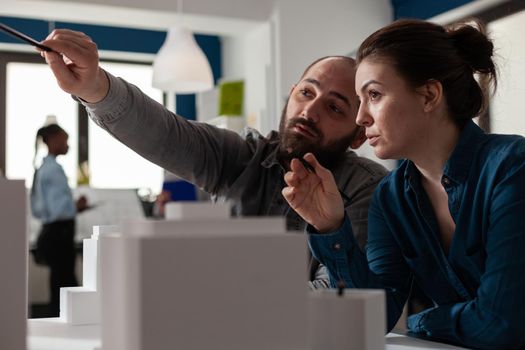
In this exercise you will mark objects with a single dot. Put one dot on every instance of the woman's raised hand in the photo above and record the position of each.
(314, 194)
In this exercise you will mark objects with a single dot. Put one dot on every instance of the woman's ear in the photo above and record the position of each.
(432, 92)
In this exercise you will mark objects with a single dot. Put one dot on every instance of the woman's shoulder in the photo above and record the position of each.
(500, 149)
(501, 143)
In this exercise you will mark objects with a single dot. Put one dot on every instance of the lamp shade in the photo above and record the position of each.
(180, 65)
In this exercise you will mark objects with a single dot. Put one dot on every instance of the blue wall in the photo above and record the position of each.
(123, 39)
(424, 9)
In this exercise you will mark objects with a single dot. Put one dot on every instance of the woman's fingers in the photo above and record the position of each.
(318, 168)
(292, 179)
(324, 175)
(289, 193)
(313, 194)
(297, 167)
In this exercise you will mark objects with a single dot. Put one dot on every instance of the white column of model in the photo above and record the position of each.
(13, 265)
(204, 281)
(81, 305)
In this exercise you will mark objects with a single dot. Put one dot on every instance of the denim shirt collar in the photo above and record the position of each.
(49, 158)
(457, 166)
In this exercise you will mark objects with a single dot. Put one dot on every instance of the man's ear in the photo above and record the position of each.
(432, 93)
(359, 138)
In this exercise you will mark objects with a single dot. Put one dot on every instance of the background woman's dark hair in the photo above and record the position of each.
(45, 132)
(421, 51)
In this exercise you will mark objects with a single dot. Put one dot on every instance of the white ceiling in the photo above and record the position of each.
(220, 17)
(239, 9)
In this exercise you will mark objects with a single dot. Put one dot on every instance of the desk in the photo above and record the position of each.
(51, 334)
(396, 341)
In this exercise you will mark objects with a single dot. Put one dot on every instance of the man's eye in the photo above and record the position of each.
(335, 109)
(304, 92)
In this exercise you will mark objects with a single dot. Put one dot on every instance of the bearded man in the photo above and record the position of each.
(248, 170)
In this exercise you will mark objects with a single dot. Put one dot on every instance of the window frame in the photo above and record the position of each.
(82, 116)
(485, 16)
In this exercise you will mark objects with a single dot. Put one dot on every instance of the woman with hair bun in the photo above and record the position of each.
(451, 217)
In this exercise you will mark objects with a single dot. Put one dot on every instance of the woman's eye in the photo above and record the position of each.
(373, 95)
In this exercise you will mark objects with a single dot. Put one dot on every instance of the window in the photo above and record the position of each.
(113, 165)
(31, 95)
(506, 106)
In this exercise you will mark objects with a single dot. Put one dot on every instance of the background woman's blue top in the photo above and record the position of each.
(479, 287)
(51, 197)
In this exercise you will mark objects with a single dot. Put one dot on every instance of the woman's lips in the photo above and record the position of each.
(373, 139)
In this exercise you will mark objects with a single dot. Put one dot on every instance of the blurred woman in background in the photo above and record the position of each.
(52, 203)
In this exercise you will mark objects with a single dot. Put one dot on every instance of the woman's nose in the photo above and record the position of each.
(363, 117)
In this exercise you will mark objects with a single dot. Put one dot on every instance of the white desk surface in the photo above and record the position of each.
(52, 334)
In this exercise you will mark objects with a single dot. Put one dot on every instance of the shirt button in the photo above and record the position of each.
(445, 181)
(337, 246)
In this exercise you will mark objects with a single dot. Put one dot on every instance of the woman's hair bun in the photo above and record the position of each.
(473, 46)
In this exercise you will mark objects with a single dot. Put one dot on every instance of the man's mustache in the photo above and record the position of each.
(304, 122)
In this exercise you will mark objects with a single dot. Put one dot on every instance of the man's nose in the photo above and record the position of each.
(312, 111)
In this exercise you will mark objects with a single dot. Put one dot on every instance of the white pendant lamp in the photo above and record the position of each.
(180, 65)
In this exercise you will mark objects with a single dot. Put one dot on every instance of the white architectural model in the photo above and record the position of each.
(352, 320)
(208, 283)
(202, 280)
(13, 265)
(81, 305)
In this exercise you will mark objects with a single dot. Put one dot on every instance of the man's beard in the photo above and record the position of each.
(294, 145)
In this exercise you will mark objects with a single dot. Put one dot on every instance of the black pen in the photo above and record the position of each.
(307, 165)
(310, 169)
(24, 37)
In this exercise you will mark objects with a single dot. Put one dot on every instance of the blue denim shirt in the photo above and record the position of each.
(478, 289)
(51, 197)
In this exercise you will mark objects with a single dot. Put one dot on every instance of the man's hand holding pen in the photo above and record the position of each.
(76, 68)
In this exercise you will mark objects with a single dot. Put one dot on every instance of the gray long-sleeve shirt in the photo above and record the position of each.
(241, 168)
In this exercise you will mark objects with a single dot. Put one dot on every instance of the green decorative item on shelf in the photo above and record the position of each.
(83, 174)
(231, 96)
